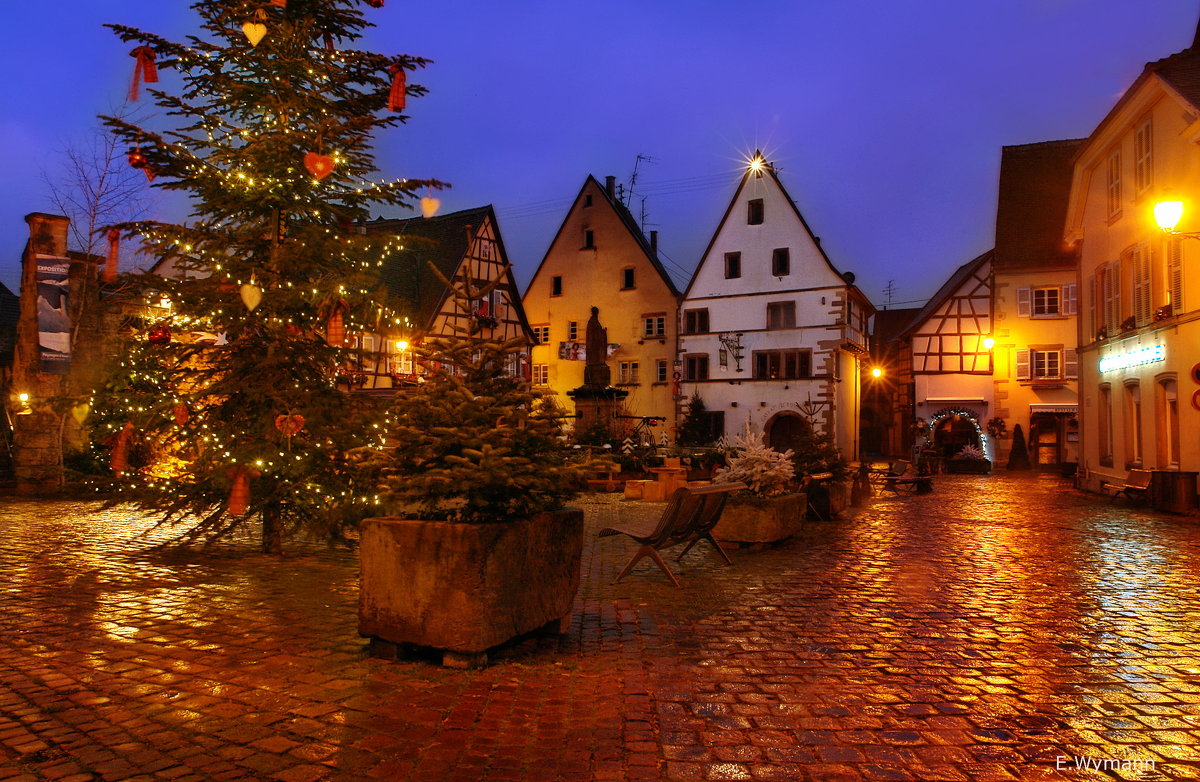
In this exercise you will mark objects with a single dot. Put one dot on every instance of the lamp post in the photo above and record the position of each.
(1167, 215)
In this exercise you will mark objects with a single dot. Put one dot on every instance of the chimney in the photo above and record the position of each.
(654, 243)
(610, 185)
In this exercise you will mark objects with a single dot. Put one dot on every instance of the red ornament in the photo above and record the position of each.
(375, 3)
(159, 335)
(335, 326)
(319, 166)
(398, 92)
(144, 69)
(181, 413)
(137, 159)
(119, 461)
(279, 3)
(239, 493)
(290, 425)
(114, 249)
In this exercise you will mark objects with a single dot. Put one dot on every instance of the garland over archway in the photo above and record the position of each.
(945, 412)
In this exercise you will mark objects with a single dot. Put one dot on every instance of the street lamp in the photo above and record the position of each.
(988, 343)
(876, 372)
(1168, 214)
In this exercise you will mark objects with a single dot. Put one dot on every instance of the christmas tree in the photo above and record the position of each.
(225, 404)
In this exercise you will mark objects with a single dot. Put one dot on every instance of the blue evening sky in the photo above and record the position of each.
(884, 117)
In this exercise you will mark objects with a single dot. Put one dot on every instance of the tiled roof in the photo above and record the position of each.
(442, 240)
(889, 323)
(1035, 186)
(1181, 71)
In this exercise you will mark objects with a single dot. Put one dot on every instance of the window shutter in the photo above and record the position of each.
(1024, 303)
(1175, 276)
(1070, 364)
(1070, 295)
(1141, 285)
(1023, 364)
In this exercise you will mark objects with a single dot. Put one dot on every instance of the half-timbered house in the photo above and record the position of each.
(950, 347)
(428, 252)
(772, 335)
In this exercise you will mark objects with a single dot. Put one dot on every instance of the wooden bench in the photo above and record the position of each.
(1136, 484)
(901, 476)
(688, 518)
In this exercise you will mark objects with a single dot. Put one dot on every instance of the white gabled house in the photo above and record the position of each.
(772, 335)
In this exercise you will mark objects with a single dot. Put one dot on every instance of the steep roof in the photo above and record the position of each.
(442, 240)
(627, 222)
(1035, 188)
(10, 306)
(961, 275)
(889, 324)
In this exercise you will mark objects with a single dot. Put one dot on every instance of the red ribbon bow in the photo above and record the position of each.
(144, 69)
(398, 94)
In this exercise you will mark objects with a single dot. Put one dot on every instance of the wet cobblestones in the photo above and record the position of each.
(1001, 628)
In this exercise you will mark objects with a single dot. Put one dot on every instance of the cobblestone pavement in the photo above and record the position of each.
(1001, 628)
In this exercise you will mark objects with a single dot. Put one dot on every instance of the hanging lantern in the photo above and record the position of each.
(251, 295)
(119, 461)
(320, 166)
(239, 492)
(399, 91)
(144, 69)
(114, 251)
(335, 328)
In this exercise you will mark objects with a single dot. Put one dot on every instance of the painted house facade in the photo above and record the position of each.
(600, 258)
(1139, 352)
(948, 343)
(1035, 302)
(772, 335)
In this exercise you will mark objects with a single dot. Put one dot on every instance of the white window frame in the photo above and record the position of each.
(654, 326)
(627, 373)
(1113, 165)
(541, 374)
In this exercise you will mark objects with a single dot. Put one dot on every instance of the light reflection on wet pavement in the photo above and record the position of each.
(1004, 627)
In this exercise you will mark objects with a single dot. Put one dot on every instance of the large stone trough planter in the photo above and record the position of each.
(465, 588)
(756, 520)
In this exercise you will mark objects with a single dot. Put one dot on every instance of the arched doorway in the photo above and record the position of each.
(953, 430)
(786, 430)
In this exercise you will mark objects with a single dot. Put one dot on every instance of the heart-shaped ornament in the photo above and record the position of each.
(255, 32)
(251, 296)
(429, 206)
(80, 412)
(290, 425)
(319, 166)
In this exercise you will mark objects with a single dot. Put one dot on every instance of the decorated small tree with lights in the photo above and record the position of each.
(229, 388)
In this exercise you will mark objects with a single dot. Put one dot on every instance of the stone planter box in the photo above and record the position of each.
(827, 500)
(465, 588)
(761, 520)
(968, 466)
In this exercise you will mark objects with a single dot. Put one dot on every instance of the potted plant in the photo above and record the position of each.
(478, 547)
(969, 460)
(769, 509)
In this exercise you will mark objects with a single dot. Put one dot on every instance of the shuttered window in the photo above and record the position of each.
(1139, 259)
(1175, 276)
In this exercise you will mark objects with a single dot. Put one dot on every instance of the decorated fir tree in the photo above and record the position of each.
(474, 442)
(765, 471)
(225, 404)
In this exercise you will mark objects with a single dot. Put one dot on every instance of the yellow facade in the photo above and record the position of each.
(600, 259)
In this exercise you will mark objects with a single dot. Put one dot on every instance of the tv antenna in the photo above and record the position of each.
(889, 291)
(629, 192)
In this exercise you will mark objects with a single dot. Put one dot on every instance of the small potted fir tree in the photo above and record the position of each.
(480, 548)
(769, 509)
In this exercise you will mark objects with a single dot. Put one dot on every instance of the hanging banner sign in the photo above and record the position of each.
(54, 320)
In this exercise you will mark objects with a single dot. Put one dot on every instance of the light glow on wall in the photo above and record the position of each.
(1133, 358)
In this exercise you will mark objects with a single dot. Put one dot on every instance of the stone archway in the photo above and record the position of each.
(785, 430)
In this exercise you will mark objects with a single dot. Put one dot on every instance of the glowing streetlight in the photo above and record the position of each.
(876, 372)
(1168, 214)
(988, 343)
